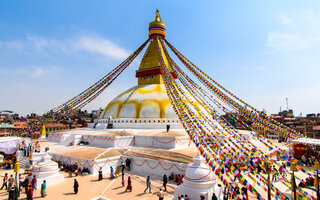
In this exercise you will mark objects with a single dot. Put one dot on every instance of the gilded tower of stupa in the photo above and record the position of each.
(147, 101)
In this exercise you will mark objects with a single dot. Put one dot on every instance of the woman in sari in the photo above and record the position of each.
(44, 189)
(30, 192)
(129, 186)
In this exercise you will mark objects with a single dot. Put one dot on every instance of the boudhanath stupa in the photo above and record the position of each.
(161, 127)
(139, 124)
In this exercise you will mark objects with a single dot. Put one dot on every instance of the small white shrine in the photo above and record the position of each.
(48, 170)
(198, 180)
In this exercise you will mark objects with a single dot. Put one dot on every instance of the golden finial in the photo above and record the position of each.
(157, 17)
(157, 26)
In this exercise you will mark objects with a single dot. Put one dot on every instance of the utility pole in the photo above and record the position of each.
(268, 179)
(287, 104)
(293, 180)
(316, 181)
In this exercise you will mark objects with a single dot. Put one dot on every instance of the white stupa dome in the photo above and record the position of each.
(48, 170)
(46, 167)
(198, 180)
(199, 174)
(143, 101)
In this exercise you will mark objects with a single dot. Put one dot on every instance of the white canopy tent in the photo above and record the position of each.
(9, 145)
(307, 141)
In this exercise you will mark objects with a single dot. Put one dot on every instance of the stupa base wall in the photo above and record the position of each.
(108, 141)
(192, 192)
(53, 179)
(91, 164)
(146, 167)
(161, 142)
(132, 123)
(93, 140)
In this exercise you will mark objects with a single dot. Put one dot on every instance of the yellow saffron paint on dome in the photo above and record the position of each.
(144, 100)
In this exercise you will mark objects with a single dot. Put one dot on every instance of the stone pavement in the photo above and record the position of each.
(90, 187)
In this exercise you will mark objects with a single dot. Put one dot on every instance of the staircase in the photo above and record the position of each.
(24, 161)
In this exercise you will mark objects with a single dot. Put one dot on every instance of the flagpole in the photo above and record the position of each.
(293, 180)
(268, 181)
(316, 180)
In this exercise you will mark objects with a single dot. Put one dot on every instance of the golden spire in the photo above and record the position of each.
(150, 71)
(157, 16)
(157, 26)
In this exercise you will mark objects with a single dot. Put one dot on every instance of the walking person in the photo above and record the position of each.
(100, 174)
(5, 181)
(148, 185)
(129, 186)
(11, 194)
(122, 181)
(214, 197)
(122, 167)
(165, 181)
(11, 181)
(111, 172)
(34, 182)
(274, 174)
(160, 194)
(128, 163)
(44, 189)
(20, 182)
(30, 192)
(75, 186)
(27, 185)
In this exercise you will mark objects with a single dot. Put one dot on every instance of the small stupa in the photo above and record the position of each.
(48, 170)
(198, 180)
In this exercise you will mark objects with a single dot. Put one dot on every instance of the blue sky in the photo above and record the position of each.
(263, 51)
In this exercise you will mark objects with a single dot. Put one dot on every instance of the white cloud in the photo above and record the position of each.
(300, 32)
(98, 45)
(286, 42)
(39, 72)
(14, 45)
(101, 46)
(33, 72)
(285, 20)
(258, 68)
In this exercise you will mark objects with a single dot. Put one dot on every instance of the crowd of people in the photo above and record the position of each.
(309, 157)
(73, 169)
(29, 184)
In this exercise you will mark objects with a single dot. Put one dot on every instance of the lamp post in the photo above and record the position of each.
(293, 179)
(268, 181)
(316, 180)
(17, 183)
